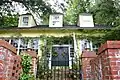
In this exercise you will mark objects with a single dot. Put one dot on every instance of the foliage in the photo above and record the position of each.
(75, 8)
(26, 66)
(8, 21)
(51, 40)
(112, 35)
(54, 53)
(40, 8)
(43, 69)
(107, 12)
(25, 76)
(63, 54)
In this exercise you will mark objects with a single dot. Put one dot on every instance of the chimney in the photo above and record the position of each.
(26, 20)
(56, 20)
(85, 20)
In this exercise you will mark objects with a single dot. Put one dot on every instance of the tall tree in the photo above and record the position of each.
(107, 12)
(38, 7)
(8, 21)
(74, 9)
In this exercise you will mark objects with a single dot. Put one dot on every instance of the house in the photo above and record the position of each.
(28, 35)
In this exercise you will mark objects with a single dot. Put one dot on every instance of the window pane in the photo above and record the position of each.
(25, 21)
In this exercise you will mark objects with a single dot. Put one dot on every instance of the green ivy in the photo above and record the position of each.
(54, 54)
(26, 66)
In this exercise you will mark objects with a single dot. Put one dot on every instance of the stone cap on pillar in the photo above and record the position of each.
(109, 45)
(88, 54)
(31, 53)
(6, 45)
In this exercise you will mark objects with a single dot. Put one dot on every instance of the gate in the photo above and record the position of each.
(59, 72)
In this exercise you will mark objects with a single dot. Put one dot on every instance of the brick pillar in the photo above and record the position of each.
(86, 68)
(96, 68)
(10, 67)
(110, 60)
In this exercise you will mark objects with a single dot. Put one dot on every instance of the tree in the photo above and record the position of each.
(9, 21)
(106, 12)
(74, 9)
(38, 7)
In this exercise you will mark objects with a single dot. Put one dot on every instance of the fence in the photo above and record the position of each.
(57, 72)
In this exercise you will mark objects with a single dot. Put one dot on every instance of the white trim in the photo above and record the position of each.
(9, 41)
(70, 59)
(18, 49)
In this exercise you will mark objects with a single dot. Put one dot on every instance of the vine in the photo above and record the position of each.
(26, 66)
(63, 54)
(54, 54)
(51, 40)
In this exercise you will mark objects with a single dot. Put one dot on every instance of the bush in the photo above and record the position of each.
(26, 67)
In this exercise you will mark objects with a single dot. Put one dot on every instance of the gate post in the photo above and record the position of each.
(86, 67)
(10, 67)
(110, 60)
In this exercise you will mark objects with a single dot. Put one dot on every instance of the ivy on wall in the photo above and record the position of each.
(26, 67)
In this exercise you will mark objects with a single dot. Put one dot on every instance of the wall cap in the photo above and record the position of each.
(88, 54)
(109, 45)
(8, 46)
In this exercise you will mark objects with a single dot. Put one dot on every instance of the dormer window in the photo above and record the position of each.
(85, 20)
(25, 21)
(56, 17)
(56, 20)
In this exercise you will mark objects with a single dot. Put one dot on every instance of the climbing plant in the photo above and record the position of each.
(26, 66)
(51, 40)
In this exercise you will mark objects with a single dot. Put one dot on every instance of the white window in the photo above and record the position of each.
(25, 21)
(22, 45)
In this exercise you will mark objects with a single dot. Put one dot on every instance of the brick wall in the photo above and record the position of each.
(86, 68)
(10, 67)
(107, 64)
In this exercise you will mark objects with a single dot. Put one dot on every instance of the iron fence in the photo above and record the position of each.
(69, 70)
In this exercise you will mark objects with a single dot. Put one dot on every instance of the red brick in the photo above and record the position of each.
(118, 63)
(114, 72)
(113, 63)
(2, 79)
(113, 59)
(115, 68)
(115, 77)
(106, 77)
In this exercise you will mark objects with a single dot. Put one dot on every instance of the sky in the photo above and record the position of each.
(55, 4)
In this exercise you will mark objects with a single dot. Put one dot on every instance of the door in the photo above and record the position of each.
(60, 56)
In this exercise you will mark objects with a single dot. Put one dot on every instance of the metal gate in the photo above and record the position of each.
(60, 72)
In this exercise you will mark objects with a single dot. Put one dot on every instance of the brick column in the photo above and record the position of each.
(86, 68)
(110, 54)
(10, 67)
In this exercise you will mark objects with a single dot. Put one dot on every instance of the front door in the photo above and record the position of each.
(60, 56)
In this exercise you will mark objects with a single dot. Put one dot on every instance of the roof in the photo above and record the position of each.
(85, 14)
(64, 27)
(56, 13)
(26, 14)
